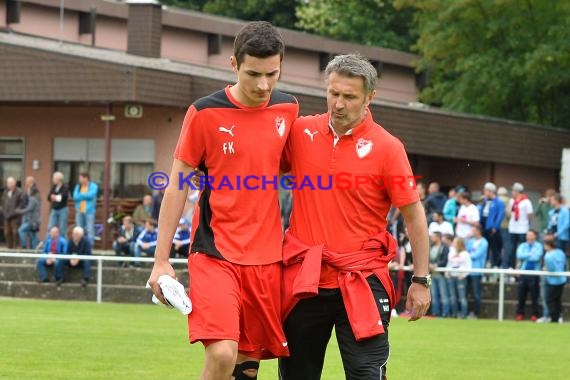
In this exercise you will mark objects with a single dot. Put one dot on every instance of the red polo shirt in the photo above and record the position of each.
(230, 141)
(367, 171)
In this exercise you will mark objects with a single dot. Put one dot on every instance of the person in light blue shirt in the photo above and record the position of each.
(85, 198)
(529, 254)
(559, 222)
(554, 261)
(451, 207)
(477, 247)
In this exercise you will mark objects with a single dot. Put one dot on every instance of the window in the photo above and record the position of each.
(132, 161)
(11, 160)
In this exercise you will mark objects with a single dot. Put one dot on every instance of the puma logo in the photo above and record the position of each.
(310, 134)
(228, 131)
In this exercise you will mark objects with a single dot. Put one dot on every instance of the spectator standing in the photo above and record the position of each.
(77, 245)
(30, 226)
(492, 212)
(529, 253)
(55, 244)
(435, 200)
(143, 212)
(458, 258)
(559, 222)
(503, 195)
(554, 261)
(440, 225)
(85, 198)
(157, 203)
(146, 241)
(451, 207)
(477, 247)
(542, 212)
(519, 222)
(57, 197)
(438, 255)
(12, 200)
(467, 216)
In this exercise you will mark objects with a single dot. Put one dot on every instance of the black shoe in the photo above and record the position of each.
(84, 283)
(44, 280)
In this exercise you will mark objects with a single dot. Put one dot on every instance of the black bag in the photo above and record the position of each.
(35, 226)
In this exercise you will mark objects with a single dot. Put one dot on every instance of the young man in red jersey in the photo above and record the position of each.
(336, 250)
(235, 257)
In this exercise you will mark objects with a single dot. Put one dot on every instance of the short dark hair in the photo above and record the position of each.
(84, 175)
(258, 39)
(550, 241)
(465, 195)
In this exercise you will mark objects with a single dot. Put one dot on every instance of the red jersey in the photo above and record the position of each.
(356, 180)
(234, 219)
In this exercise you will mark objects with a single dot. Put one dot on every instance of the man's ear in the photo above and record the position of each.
(369, 97)
(233, 62)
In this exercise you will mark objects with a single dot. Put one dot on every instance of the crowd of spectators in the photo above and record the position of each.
(134, 235)
(490, 231)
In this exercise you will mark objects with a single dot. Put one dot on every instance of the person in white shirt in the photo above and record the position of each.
(467, 217)
(521, 212)
(440, 225)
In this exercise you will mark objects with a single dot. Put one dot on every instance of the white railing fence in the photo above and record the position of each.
(502, 273)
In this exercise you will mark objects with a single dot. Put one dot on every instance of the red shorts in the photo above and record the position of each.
(237, 302)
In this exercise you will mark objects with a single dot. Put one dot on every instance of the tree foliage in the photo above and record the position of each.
(368, 22)
(278, 12)
(502, 58)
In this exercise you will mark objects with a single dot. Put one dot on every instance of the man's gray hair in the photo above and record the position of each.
(79, 230)
(354, 65)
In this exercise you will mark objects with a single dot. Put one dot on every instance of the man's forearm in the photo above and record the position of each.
(171, 211)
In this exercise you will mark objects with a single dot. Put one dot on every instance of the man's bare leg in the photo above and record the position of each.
(245, 374)
(220, 360)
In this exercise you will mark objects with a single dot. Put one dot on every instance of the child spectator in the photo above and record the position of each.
(181, 242)
(77, 245)
(438, 258)
(55, 244)
(458, 258)
(530, 254)
(554, 261)
(146, 241)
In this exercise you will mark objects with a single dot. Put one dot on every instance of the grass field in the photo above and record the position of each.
(73, 340)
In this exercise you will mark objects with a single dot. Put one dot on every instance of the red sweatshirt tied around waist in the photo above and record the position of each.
(303, 268)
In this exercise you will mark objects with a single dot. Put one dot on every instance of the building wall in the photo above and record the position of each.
(450, 172)
(39, 125)
(184, 45)
(300, 66)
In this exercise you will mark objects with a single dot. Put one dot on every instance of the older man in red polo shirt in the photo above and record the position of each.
(337, 249)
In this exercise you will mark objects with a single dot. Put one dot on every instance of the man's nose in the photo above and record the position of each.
(263, 84)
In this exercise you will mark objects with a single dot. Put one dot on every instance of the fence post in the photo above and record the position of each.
(99, 280)
(501, 295)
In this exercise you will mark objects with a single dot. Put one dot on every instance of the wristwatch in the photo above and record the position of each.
(425, 280)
